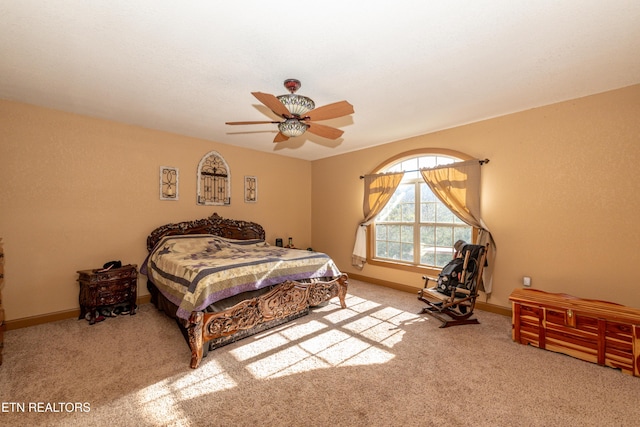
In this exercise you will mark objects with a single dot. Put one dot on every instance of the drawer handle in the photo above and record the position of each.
(571, 319)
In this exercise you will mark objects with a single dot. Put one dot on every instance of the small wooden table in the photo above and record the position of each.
(102, 288)
(596, 331)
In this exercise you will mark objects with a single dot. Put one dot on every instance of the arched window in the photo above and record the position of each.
(214, 180)
(415, 229)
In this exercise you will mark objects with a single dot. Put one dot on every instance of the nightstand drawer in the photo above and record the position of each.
(110, 298)
(97, 276)
(115, 287)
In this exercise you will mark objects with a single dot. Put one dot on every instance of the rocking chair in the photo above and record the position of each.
(451, 297)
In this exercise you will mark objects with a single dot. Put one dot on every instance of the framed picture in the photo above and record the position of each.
(250, 189)
(168, 183)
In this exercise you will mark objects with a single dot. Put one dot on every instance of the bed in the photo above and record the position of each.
(222, 282)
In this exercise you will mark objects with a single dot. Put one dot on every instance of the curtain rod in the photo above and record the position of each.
(482, 162)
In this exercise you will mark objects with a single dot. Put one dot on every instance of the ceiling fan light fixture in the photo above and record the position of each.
(300, 113)
(292, 128)
(297, 105)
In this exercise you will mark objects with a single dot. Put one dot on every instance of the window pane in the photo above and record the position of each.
(407, 234)
(411, 166)
(395, 213)
(409, 192)
(443, 257)
(394, 250)
(408, 212)
(428, 235)
(462, 233)
(427, 162)
(394, 233)
(426, 195)
(381, 232)
(444, 236)
(394, 210)
(407, 252)
(381, 249)
(457, 220)
(443, 214)
(427, 255)
(427, 212)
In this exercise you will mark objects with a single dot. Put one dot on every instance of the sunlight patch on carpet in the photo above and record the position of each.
(161, 401)
(362, 334)
(287, 361)
(303, 330)
(340, 315)
(202, 381)
(160, 405)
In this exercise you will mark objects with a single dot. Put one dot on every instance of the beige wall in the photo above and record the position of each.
(560, 196)
(76, 192)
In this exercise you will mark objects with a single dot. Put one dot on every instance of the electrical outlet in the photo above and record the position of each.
(526, 281)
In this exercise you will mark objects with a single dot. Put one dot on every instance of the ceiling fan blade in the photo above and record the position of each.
(248, 123)
(280, 137)
(324, 131)
(330, 111)
(272, 102)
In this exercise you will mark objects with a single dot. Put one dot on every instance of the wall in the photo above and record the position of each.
(559, 196)
(76, 192)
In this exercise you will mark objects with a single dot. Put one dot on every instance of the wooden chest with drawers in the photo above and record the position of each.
(99, 288)
(596, 331)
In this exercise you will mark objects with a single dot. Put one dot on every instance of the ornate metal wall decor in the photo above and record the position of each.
(214, 180)
(168, 183)
(250, 189)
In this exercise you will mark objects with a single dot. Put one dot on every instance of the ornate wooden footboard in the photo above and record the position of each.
(286, 301)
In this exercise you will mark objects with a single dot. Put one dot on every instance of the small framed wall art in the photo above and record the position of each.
(168, 183)
(250, 189)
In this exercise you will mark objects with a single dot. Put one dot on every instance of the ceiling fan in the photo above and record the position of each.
(299, 113)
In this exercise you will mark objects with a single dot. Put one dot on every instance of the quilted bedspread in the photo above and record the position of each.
(194, 271)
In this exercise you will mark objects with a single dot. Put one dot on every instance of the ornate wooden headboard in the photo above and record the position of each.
(215, 224)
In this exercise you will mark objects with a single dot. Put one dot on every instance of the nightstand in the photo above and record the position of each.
(103, 288)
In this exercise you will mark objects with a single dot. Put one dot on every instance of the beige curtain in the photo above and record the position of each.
(457, 185)
(378, 189)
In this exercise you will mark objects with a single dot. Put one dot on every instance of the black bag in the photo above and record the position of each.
(111, 265)
(451, 274)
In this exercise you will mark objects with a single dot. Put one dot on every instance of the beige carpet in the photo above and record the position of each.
(376, 363)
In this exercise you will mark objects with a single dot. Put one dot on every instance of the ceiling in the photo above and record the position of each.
(409, 67)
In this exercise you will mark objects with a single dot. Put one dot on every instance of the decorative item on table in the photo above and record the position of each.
(109, 265)
(279, 242)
